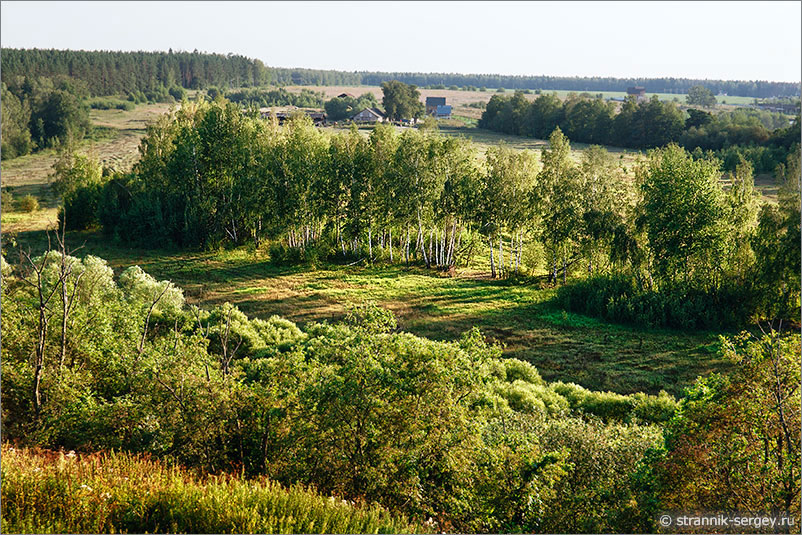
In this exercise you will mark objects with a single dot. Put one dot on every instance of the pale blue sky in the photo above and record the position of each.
(716, 40)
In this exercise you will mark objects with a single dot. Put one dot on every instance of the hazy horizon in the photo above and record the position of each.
(588, 39)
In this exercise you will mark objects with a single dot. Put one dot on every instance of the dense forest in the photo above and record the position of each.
(764, 138)
(211, 175)
(108, 72)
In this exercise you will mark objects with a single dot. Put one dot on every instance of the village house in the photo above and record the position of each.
(638, 92)
(433, 102)
(369, 115)
(443, 112)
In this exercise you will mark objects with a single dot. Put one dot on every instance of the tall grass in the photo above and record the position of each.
(49, 492)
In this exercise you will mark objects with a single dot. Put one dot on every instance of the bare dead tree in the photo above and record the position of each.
(224, 340)
(44, 297)
(153, 304)
(67, 297)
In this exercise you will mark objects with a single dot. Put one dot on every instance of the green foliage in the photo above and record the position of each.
(585, 119)
(340, 108)
(371, 317)
(610, 406)
(684, 215)
(274, 97)
(58, 117)
(438, 430)
(15, 135)
(733, 442)
(620, 298)
(78, 179)
(7, 200)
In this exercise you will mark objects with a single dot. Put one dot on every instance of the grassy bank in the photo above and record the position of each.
(50, 492)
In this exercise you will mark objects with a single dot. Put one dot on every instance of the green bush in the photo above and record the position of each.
(620, 299)
(178, 93)
(28, 203)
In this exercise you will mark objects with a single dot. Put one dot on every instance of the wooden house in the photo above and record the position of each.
(369, 115)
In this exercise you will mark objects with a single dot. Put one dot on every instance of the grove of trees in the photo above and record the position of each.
(211, 175)
(40, 113)
(762, 137)
(345, 107)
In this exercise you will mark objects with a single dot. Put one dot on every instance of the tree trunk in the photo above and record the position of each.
(370, 243)
(492, 265)
(500, 255)
(40, 360)
(390, 239)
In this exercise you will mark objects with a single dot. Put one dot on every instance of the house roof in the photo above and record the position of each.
(435, 101)
(443, 110)
(341, 95)
(637, 90)
(372, 111)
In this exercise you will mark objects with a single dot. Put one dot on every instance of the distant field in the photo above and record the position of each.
(459, 98)
(739, 101)
(115, 144)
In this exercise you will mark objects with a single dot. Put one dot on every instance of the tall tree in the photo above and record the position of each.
(401, 101)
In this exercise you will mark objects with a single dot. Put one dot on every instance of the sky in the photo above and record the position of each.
(704, 40)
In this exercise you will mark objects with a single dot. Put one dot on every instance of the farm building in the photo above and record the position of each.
(432, 103)
(638, 92)
(345, 95)
(318, 118)
(369, 115)
(443, 112)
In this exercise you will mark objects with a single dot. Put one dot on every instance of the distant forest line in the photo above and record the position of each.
(108, 73)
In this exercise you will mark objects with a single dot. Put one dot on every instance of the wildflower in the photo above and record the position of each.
(106, 496)
(71, 454)
(86, 488)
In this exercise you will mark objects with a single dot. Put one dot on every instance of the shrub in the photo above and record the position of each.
(371, 317)
(618, 298)
(81, 207)
(6, 200)
(178, 93)
(28, 204)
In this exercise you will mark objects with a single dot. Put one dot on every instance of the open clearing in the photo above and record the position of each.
(519, 314)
